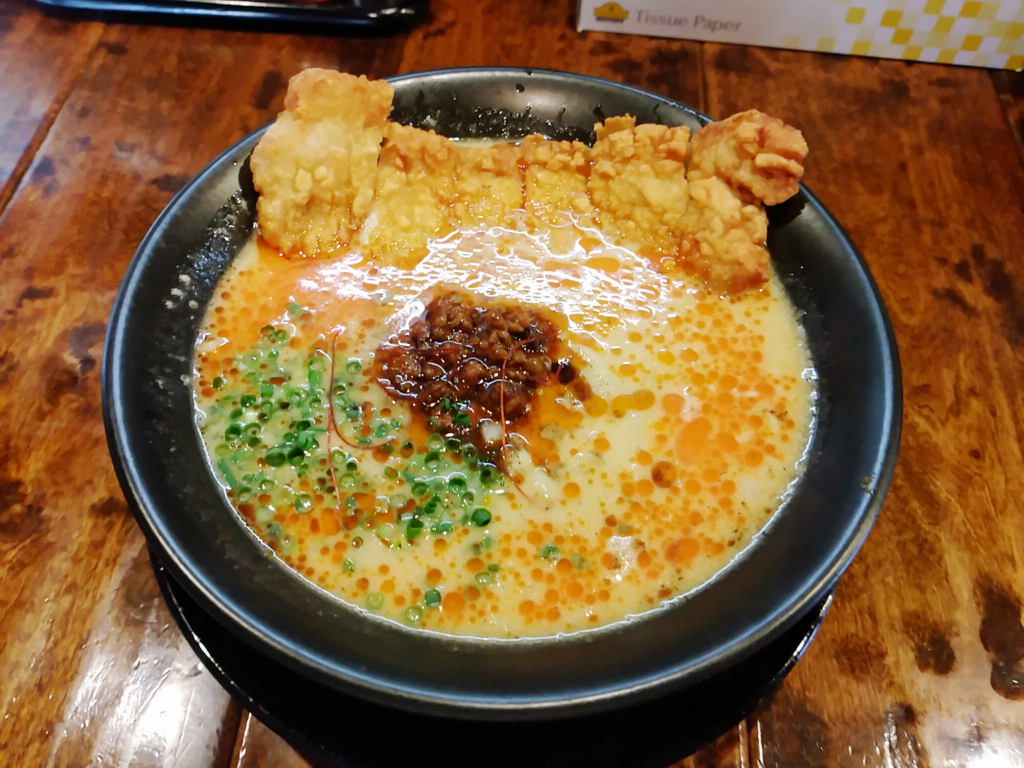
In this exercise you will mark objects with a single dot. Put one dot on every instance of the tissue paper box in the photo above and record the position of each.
(964, 32)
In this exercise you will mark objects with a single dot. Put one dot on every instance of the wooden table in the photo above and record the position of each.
(919, 662)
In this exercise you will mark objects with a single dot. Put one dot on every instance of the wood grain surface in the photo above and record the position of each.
(921, 659)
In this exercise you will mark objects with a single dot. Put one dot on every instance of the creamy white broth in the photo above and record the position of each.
(700, 413)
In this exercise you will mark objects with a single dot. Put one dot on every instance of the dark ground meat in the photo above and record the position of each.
(449, 364)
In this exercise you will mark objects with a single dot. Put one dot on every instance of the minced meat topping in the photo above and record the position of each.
(463, 365)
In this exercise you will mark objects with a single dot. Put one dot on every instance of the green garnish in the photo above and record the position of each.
(480, 517)
(549, 551)
(432, 598)
(414, 614)
(225, 469)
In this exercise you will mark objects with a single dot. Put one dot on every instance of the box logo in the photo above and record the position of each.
(611, 12)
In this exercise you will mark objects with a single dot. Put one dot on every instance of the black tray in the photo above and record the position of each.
(365, 16)
(331, 729)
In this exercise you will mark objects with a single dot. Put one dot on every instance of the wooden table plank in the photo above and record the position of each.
(914, 665)
(91, 668)
(1010, 87)
(40, 60)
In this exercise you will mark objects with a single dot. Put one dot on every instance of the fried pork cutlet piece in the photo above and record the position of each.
(555, 179)
(638, 181)
(415, 194)
(736, 166)
(725, 237)
(488, 185)
(752, 152)
(315, 167)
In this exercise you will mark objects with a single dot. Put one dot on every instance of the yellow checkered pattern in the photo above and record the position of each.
(966, 32)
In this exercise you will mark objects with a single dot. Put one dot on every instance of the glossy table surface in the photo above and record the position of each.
(920, 661)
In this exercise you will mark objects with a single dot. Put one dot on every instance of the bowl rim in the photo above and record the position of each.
(117, 432)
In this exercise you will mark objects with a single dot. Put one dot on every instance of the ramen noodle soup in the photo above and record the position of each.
(513, 389)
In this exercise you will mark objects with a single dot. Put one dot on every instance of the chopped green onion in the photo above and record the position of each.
(493, 567)
(248, 401)
(264, 515)
(275, 457)
(353, 366)
(549, 551)
(480, 517)
(233, 432)
(348, 565)
(484, 577)
(303, 503)
(374, 600)
(225, 469)
(414, 614)
(218, 382)
(432, 598)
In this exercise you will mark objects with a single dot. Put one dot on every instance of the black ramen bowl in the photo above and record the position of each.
(787, 570)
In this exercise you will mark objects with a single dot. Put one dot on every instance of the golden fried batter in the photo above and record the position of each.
(319, 179)
(638, 181)
(488, 185)
(315, 167)
(736, 165)
(752, 152)
(555, 179)
(415, 194)
(725, 236)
